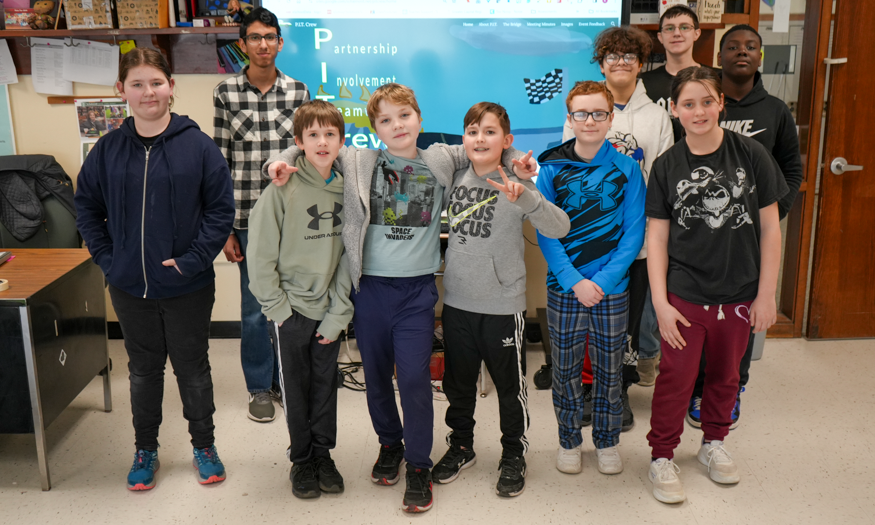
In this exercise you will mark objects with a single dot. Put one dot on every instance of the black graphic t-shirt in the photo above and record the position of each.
(713, 202)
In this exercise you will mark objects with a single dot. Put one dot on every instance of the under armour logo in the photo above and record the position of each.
(604, 194)
(508, 341)
(334, 215)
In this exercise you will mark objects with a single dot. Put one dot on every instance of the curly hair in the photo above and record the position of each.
(622, 40)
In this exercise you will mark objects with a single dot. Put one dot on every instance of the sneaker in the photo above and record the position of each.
(512, 478)
(330, 480)
(721, 468)
(609, 460)
(667, 486)
(261, 407)
(568, 460)
(736, 411)
(417, 497)
(451, 465)
(209, 467)
(648, 369)
(386, 470)
(305, 480)
(694, 412)
(276, 394)
(628, 416)
(586, 420)
(142, 474)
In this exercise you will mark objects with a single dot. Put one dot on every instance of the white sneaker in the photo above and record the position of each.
(721, 468)
(609, 460)
(568, 460)
(667, 486)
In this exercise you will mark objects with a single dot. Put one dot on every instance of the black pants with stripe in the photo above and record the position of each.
(308, 379)
(500, 342)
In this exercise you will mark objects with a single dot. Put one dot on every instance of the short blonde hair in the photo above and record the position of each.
(590, 87)
(317, 111)
(394, 93)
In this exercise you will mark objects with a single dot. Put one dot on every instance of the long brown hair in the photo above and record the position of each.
(143, 56)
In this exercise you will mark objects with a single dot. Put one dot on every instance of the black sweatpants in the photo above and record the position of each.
(308, 380)
(743, 369)
(500, 342)
(175, 327)
(638, 285)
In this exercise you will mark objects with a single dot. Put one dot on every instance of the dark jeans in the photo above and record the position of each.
(178, 327)
(308, 380)
(743, 369)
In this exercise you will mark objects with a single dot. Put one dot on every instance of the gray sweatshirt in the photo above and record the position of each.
(485, 268)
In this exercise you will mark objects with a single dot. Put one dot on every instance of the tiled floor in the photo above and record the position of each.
(803, 449)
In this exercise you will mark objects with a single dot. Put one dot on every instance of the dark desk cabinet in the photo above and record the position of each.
(52, 339)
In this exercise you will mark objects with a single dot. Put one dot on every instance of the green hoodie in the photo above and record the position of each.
(295, 253)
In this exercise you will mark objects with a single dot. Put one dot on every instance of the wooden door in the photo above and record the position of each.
(842, 301)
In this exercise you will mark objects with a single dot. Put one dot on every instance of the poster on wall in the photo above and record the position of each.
(524, 56)
(7, 137)
(97, 117)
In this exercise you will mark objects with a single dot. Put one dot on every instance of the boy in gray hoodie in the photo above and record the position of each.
(485, 295)
(299, 275)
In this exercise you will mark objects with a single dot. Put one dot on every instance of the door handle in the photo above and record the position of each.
(835, 61)
(839, 165)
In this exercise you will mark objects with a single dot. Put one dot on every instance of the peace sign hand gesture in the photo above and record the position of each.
(513, 190)
(280, 172)
(525, 167)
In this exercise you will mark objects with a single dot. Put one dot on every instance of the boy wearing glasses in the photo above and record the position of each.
(253, 122)
(678, 31)
(642, 131)
(602, 191)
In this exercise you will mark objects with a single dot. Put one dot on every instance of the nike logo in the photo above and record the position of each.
(742, 127)
(456, 219)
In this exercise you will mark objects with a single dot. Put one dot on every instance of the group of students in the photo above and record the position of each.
(351, 234)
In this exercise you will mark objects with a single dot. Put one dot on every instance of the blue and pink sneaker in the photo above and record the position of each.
(142, 474)
(209, 467)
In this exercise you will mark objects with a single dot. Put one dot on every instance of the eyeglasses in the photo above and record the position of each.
(597, 116)
(613, 58)
(255, 38)
(685, 28)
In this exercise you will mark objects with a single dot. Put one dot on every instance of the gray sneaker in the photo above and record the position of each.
(261, 407)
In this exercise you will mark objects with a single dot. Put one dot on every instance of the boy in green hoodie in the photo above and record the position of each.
(299, 275)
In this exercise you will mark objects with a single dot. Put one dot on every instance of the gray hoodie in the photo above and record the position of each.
(485, 269)
(641, 130)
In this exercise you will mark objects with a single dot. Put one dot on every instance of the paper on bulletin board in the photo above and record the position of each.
(97, 117)
(781, 22)
(7, 66)
(47, 67)
(91, 62)
(7, 136)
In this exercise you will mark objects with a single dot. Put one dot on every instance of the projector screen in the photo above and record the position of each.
(522, 54)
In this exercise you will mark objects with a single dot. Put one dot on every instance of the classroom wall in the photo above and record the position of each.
(52, 129)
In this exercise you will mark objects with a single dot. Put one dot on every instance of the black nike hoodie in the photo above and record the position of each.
(768, 120)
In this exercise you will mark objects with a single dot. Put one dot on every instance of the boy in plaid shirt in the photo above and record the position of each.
(602, 191)
(253, 122)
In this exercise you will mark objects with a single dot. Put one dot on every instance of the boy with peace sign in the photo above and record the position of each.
(485, 295)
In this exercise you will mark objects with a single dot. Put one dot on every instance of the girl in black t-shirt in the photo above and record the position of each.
(714, 246)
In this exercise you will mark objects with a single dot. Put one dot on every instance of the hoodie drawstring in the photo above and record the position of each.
(720, 315)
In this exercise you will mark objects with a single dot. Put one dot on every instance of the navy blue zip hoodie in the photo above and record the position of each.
(138, 207)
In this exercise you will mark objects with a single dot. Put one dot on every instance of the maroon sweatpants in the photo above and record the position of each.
(724, 342)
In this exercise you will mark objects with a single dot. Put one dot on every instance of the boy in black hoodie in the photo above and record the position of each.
(752, 112)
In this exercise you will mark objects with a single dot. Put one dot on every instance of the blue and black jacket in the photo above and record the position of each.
(139, 206)
(604, 200)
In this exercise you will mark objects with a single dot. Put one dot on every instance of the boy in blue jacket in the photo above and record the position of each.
(602, 191)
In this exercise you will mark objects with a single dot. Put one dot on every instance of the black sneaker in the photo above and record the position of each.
(417, 497)
(694, 412)
(586, 420)
(512, 479)
(330, 480)
(736, 411)
(451, 465)
(628, 417)
(386, 470)
(305, 480)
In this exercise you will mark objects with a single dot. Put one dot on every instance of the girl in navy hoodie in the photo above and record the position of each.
(155, 206)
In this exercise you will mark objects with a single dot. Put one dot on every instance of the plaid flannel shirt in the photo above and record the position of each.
(250, 128)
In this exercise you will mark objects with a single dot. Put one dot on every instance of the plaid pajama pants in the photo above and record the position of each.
(569, 323)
